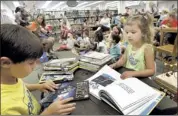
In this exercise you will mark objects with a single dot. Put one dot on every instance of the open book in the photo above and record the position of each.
(129, 96)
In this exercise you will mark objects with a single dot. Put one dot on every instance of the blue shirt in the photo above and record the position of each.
(115, 51)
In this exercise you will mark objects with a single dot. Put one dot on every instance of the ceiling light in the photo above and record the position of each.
(46, 4)
(82, 4)
(16, 3)
(92, 3)
(115, 2)
(57, 5)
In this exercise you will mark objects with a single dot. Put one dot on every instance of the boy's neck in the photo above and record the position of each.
(8, 79)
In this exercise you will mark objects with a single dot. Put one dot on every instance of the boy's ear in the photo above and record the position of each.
(5, 62)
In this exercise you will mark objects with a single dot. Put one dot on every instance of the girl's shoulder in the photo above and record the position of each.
(148, 47)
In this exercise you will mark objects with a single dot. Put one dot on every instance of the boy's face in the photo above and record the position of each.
(20, 70)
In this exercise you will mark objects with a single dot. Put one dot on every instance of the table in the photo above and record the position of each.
(94, 106)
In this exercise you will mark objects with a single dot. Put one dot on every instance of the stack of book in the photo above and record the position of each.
(129, 96)
(59, 70)
(94, 61)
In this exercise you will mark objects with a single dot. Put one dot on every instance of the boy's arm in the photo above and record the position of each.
(44, 87)
(32, 87)
(149, 63)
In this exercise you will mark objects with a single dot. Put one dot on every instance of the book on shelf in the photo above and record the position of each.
(79, 91)
(95, 58)
(129, 96)
(65, 64)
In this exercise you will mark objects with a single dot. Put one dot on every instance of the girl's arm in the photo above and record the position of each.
(149, 62)
(120, 62)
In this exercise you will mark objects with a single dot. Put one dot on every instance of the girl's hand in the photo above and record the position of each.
(49, 85)
(60, 107)
(126, 74)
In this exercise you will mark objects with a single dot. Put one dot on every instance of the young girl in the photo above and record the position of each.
(139, 54)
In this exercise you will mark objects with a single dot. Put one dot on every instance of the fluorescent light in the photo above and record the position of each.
(46, 4)
(92, 3)
(64, 7)
(82, 4)
(16, 3)
(111, 2)
(57, 5)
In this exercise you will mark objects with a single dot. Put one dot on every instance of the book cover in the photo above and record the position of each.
(79, 91)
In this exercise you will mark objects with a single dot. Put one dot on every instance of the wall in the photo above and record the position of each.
(166, 4)
(161, 5)
(7, 11)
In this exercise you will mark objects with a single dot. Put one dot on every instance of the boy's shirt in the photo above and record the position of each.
(115, 51)
(16, 99)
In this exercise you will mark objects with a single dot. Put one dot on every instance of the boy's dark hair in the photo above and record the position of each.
(19, 44)
(17, 9)
(99, 36)
(79, 34)
(116, 38)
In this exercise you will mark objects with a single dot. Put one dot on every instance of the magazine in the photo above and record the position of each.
(126, 96)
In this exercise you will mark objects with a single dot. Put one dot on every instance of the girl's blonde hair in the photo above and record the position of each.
(145, 23)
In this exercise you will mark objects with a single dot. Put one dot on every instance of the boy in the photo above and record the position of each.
(115, 49)
(20, 52)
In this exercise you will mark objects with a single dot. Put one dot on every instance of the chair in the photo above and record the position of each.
(170, 50)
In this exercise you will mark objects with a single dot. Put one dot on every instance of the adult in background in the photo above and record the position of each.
(21, 16)
(38, 27)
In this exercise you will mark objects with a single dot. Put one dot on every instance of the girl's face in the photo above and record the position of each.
(133, 33)
(40, 19)
(115, 30)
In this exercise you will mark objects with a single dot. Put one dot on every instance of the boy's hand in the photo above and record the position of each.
(49, 85)
(126, 74)
(61, 107)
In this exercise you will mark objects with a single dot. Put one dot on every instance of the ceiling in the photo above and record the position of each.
(31, 5)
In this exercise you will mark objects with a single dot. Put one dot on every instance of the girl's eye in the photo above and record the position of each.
(133, 32)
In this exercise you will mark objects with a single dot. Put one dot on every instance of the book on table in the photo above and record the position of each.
(95, 58)
(79, 91)
(65, 64)
(129, 96)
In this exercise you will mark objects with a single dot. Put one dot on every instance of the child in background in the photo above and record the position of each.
(68, 44)
(84, 44)
(101, 44)
(19, 55)
(115, 49)
(139, 54)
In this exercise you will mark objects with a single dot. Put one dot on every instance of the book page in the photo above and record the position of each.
(148, 107)
(128, 92)
(97, 81)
